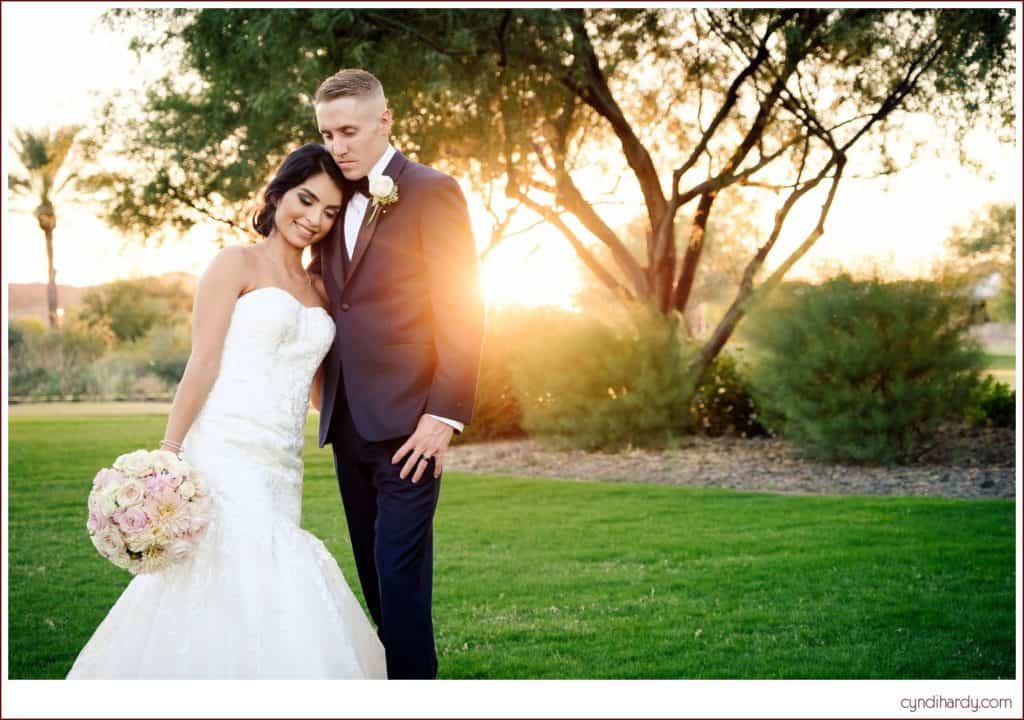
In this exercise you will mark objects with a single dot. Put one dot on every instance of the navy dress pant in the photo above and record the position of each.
(390, 522)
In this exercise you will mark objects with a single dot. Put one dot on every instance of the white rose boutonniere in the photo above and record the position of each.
(383, 191)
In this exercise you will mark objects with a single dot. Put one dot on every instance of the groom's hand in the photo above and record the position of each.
(430, 440)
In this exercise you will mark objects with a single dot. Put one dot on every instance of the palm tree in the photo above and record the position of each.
(43, 154)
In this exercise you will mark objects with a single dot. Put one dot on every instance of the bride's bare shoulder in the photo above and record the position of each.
(234, 259)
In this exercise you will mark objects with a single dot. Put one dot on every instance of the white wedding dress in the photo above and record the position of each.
(261, 598)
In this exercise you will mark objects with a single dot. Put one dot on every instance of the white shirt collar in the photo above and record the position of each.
(378, 168)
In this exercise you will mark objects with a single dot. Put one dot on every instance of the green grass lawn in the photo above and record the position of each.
(558, 579)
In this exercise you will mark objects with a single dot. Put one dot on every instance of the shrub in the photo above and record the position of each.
(723, 404)
(55, 364)
(604, 384)
(995, 405)
(112, 376)
(131, 308)
(164, 352)
(496, 413)
(862, 370)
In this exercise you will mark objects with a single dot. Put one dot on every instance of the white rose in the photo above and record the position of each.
(134, 463)
(381, 186)
(106, 502)
(179, 550)
(187, 489)
(163, 460)
(166, 460)
(131, 493)
(108, 542)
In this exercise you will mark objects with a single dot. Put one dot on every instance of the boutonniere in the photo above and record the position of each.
(383, 191)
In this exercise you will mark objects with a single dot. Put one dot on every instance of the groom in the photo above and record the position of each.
(400, 269)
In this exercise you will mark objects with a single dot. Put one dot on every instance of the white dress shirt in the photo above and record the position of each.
(355, 211)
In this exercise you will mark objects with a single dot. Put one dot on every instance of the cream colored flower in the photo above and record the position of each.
(384, 192)
(187, 489)
(155, 558)
(108, 542)
(104, 502)
(142, 541)
(381, 186)
(131, 493)
(179, 550)
(134, 463)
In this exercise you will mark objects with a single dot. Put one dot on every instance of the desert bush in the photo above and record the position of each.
(723, 403)
(604, 383)
(56, 363)
(861, 371)
(994, 405)
(496, 413)
(163, 352)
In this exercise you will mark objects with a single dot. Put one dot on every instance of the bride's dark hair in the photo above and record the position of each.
(299, 166)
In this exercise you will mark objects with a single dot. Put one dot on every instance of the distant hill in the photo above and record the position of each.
(28, 300)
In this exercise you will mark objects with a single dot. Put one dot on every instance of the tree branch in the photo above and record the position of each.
(596, 93)
(581, 250)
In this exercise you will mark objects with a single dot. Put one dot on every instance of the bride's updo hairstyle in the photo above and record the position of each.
(299, 166)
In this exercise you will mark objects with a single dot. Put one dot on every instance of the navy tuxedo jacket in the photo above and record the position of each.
(407, 307)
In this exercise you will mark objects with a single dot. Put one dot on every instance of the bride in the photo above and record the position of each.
(261, 598)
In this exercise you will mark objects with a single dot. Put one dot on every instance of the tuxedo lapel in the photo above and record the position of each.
(368, 228)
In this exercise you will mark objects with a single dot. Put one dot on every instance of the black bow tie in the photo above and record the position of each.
(362, 185)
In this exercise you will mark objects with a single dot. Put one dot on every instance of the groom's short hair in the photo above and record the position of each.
(352, 82)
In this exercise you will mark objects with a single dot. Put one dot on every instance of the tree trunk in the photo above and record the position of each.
(51, 289)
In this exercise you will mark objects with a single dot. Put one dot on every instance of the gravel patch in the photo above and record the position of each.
(962, 462)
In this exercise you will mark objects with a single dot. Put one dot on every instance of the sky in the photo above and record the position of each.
(901, 222)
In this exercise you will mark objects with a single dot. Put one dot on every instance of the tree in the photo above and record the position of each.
(43, 155)
(131, 308)
(686, 107)
(989, 245)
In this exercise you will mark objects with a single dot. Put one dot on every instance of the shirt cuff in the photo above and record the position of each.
(459, 427)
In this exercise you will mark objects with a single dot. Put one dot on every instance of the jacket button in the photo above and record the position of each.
(345, 307)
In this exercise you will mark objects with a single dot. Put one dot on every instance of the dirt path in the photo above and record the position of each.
(964, 463)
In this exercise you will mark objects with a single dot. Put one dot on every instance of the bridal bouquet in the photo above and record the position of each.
(148, 512)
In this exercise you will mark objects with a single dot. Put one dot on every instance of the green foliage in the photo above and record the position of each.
(479, 90)
(132, 307)
(83, 359)
(164, 351)
(723, 404)
(43, 154)
(54, 363)
(607, 383)
(995, 404)
(860, 371)
(988, 245)
(496, 414)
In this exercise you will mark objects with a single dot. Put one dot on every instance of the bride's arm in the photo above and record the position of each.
(315, 391)
(216, 293)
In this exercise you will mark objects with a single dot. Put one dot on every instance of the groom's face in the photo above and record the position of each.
(355, 130)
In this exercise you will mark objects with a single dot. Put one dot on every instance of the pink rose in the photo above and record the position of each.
(133, 520)
(97, 521)
(155, 483)
(172, 481)
(198, 519)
